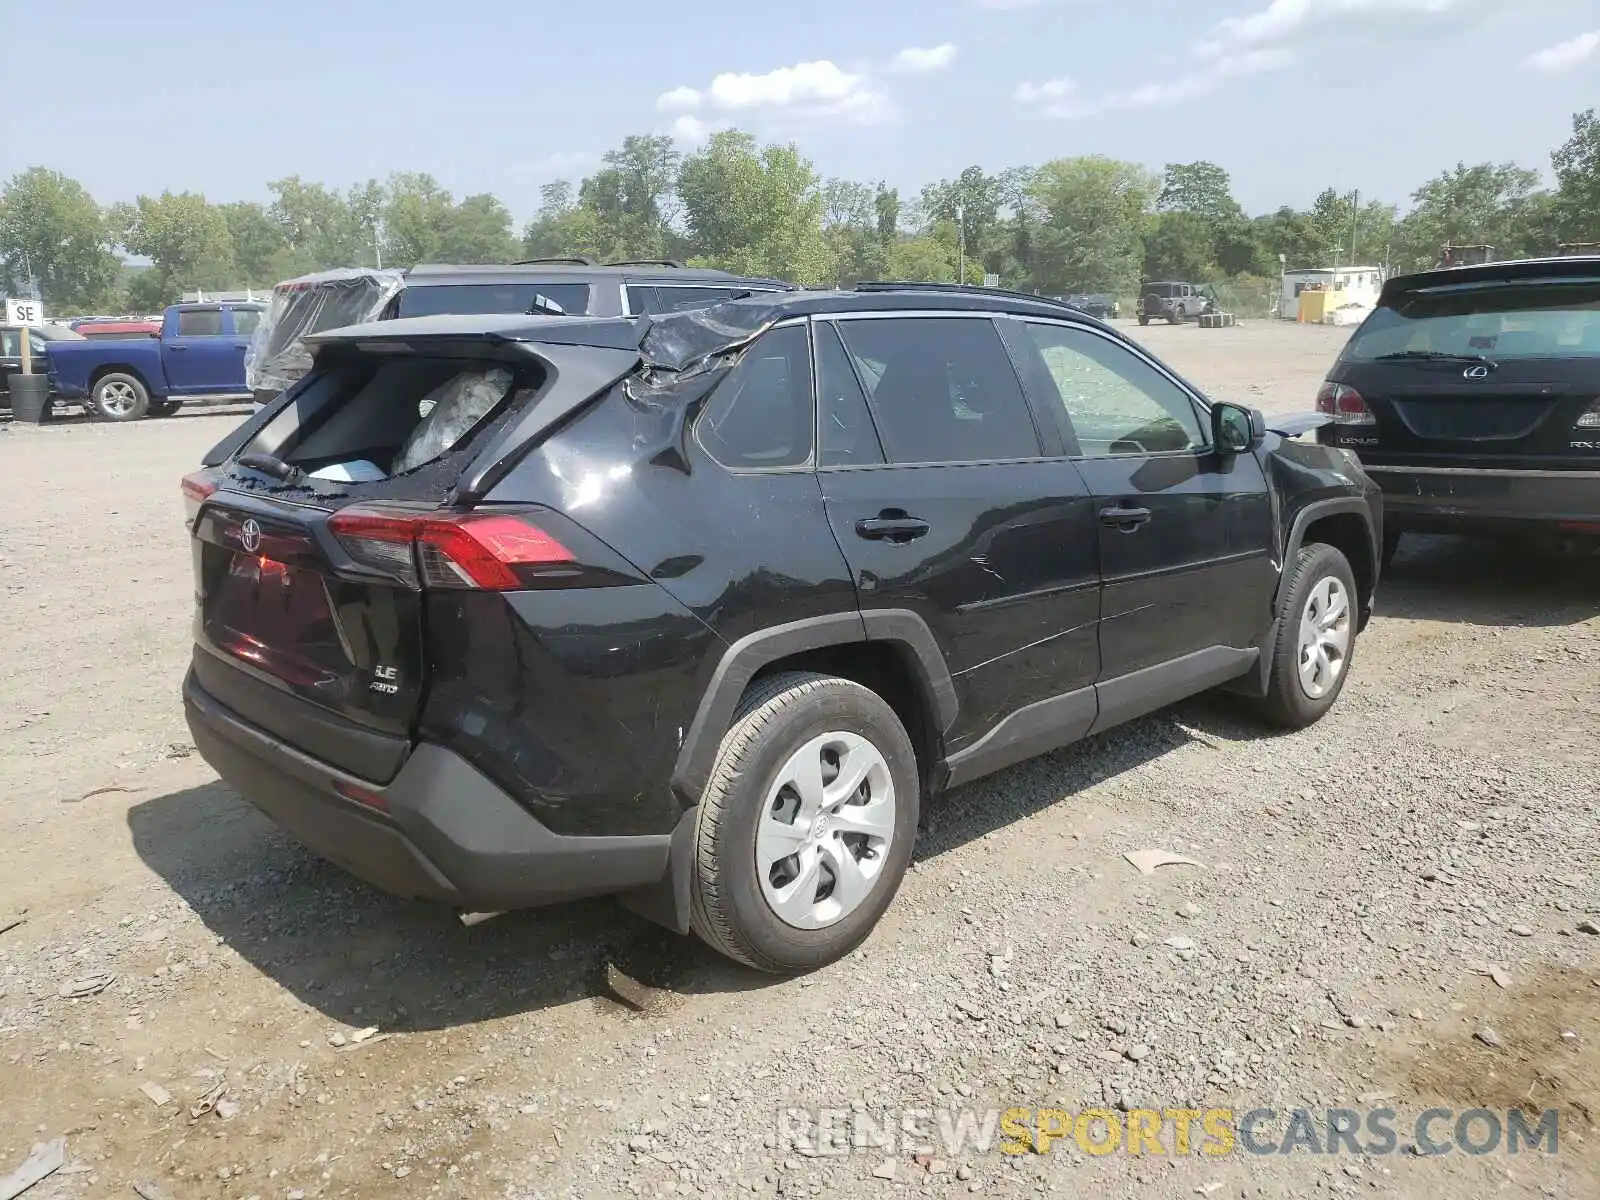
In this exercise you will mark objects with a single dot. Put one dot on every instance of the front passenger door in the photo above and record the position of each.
(1185, 534)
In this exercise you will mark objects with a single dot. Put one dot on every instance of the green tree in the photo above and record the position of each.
(886, 206)
(322, 228)
(562, 227)
(1577, 167)
(478, 230)
(1093, 212)
(1485, 204)
(185, 237)
(971, 201)
(1179, 246)
(631, 198)
(416, 217)
(754, 210)
(1201, 188)
(258, 242)
(50, 225)
(850, 227)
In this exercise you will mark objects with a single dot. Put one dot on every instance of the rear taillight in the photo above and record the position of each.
(1590, 418)
(197, 486)
(1344, 404)
(481, 550)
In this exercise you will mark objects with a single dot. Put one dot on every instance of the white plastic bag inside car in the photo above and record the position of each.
(449, 413)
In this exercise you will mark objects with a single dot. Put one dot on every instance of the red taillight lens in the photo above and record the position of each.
(488, 551)
(1344, 404)
(197, 487)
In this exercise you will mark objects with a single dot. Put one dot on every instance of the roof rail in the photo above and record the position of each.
(646, 262)
(575, 260)
(884, 285)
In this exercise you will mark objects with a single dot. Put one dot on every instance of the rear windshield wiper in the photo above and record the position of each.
(267, 464)
(1434, 356)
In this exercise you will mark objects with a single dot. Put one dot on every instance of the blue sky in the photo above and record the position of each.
(1289, 95)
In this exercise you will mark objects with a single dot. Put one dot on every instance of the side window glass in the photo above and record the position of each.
(844, 426)
(641, 299)
(200, 322)
(1117, 402)
(245, 320)
(760, 416)
(10, 343)
(942, 389)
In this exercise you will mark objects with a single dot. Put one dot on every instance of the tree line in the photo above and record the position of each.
(1084, 224)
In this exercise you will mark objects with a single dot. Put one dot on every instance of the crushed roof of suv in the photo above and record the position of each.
(674, 341)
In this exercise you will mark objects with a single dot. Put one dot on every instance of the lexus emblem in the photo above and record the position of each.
(250, 536)
(1481, 371)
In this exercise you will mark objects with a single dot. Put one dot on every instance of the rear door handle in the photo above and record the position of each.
(891, 528)
(1125, 519)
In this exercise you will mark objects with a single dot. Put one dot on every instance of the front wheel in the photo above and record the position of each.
(806, 827)
(1316, 640)
(119, 397)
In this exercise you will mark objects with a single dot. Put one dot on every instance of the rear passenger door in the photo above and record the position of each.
(197, 353)
(951, 499)
(1185, 534)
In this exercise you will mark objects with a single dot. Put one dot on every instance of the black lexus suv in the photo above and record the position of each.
(1472, 395)
(698, 608)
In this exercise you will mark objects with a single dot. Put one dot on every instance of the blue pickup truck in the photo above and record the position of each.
(199, 352)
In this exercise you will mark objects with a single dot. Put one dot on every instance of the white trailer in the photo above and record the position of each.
(1356, 285)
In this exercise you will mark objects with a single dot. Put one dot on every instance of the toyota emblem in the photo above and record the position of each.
(250, 536)
(1481, 371)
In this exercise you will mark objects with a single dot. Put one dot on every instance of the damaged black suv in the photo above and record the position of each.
(698, 609)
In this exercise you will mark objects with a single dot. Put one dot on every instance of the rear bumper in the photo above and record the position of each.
(441, 830)
(1452, 499)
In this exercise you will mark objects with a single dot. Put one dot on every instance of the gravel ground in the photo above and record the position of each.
(1394, 909)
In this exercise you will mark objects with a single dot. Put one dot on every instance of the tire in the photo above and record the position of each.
(736, 892)
(119, 397)
(1293, 701)
(164, 408)
(1143, 320)
(1391, 544)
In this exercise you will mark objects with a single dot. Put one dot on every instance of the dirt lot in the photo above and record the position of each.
(1395, 910)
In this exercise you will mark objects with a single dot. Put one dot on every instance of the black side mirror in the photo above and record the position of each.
(1236, 429)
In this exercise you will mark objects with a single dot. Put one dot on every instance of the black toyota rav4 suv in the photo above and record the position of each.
(699, 608)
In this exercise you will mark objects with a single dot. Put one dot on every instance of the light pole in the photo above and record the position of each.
(961, 242)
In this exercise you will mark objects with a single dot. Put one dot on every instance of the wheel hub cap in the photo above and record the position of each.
(1324, 637)
(825, 830)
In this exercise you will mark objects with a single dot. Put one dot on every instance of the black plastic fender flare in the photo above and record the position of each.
(1314, 511)
(744, 658)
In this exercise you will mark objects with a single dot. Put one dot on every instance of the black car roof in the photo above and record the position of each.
(429, 274)
(674, 340)
(1581, 266)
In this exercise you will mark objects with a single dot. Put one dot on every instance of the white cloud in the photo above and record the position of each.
(680, 99)
(1058, 98)
(1563, 56)
(818, 91)
(1268, 39)
(690, 128)
(917, 59)
(1284, 20)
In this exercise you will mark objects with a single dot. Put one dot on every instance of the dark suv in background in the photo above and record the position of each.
(574, 286)
(1472, 395)
(699, 608)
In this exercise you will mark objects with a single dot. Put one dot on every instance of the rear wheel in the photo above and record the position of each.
(1316, 640)
(119, 397)
(1143, 320)
(806, 827)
